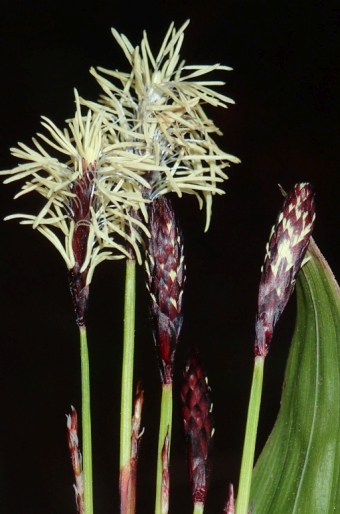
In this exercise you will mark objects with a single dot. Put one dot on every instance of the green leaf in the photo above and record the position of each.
(299, 468)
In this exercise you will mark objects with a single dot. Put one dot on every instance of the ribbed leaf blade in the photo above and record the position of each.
(299, 468)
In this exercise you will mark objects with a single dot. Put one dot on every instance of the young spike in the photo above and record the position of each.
(165, 476)
(72, 437)
(128, 474)
(165, 277)
(164, 265)
(229, 507)
(286, 250)
(198, 424)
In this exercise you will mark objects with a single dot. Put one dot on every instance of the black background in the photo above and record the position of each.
(284, 127)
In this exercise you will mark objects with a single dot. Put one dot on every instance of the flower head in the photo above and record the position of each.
(86, 201)
(156, 123)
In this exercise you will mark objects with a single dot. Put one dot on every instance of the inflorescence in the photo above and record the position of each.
(147, 136)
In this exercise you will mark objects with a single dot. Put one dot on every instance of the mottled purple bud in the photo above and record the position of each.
(229, 507)
(164, 265)
(286, 250)
(198, 424)
(128, 473)
(73, 443)
(165, 476)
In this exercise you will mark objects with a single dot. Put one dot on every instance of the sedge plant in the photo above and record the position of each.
(104, 180)
(147, 136)
(84, 208)
(285, 253)
(157, 128)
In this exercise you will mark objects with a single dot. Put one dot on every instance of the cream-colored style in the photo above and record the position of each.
(156, 113)
(147, 136)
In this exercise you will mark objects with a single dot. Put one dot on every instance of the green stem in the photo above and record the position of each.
(242, 503)
(198, 508)
(127, 366)
(86, 422)
(164, 425)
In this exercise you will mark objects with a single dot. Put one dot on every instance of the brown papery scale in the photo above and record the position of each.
(164, 266)
(285, 253)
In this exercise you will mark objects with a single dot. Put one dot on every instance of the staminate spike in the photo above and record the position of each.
(285, 254)
(198, 424)
(156, 122)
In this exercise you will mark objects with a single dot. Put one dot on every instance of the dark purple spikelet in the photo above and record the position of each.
(164, 265)
(286, 250)
(198, 424)
(80, 212)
